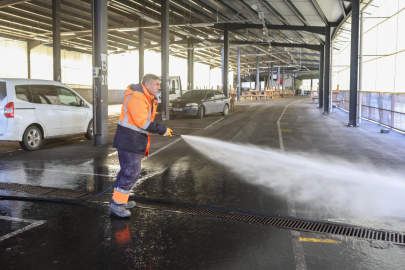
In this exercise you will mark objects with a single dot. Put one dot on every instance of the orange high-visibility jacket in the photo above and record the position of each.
(137, 121)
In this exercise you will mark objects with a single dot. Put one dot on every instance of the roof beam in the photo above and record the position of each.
(238, 26)
(320, 11)
(7, 3)
(342, 5)
(273, 44)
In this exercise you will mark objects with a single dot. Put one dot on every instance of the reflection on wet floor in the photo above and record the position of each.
(163, 240)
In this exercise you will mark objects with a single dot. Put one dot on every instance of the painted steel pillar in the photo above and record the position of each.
(354, 61)
(141, 47)
(190, 65)
(283, 80)
(29, 60)
(361, 69)
(268, 77)
(312, 84)
(238, 86)
(165, 59)
(225, 60)
(271, 75)
(293, 82)
(321, 76)
(278, 78)
(100, 68)
(257, 86)
(57, 70)
(327, 70)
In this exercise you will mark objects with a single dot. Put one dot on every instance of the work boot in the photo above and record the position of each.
(119, 210)
(130, 204)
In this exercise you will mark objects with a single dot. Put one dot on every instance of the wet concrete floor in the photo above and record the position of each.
(85, 236)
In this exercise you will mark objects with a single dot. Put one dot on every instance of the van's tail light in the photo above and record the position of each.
(9, 110)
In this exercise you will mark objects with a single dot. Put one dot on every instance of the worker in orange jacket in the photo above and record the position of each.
(132, 138)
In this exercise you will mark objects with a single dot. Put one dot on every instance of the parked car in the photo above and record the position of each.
(199, 103)
(33, 110)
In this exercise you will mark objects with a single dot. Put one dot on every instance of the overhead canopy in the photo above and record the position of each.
(258, 26)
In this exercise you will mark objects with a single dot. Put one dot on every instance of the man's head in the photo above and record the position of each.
(151, 83)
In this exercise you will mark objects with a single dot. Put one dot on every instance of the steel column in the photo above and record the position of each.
(141, 47)
(268, 77)
(293, 82)
(225, 63)
(278, 78)
(282, 77)
(327, 71)
(100, 68)
(354, 61)
(312, 84)
(29, 60)
(238, 86)
(56, 40)
(165, 59)
(321, 75)
(257, 86)
(190, 65)
(361, 70)
(271, 76)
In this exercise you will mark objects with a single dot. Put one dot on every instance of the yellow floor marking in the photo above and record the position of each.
(286, 130)
(317, 240)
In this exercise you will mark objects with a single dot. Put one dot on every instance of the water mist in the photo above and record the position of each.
(309, 178)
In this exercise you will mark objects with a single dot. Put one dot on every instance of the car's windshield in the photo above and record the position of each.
(194, 95)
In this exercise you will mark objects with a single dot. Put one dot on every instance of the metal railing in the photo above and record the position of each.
(384, 108)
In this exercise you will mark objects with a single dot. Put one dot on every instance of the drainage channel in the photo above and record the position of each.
(228, 214)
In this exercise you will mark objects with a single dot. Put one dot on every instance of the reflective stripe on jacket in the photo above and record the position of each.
(137, 121)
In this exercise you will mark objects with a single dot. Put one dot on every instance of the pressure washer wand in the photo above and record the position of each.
(176, 134)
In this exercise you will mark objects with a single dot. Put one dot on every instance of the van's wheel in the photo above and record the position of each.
(226, 110)
(200, 112)
(32, 139)
(89, 133)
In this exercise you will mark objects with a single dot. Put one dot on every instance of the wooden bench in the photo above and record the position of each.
(314, 95)
(288, 93)
(261, 94)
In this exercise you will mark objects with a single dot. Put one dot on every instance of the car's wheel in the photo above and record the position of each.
(89, 133)
(200, 112)
(226, 110)
(32, 139)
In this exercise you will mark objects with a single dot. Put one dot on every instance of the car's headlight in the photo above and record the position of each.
(192, 104)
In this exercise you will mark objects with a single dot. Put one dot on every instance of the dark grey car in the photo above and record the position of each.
(199, 103)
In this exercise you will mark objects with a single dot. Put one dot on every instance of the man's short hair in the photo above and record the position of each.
(149, 78)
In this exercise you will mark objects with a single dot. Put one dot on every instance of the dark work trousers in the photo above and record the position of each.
(130, 164)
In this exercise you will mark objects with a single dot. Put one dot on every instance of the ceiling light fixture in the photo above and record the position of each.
(201, 24)
(68, 33)
(149, 19)
(80, 47)
(126, 29)
(42, 39)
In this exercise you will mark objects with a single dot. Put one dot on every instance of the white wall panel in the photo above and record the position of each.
(13, 59)
(399, 73)
(384, 37)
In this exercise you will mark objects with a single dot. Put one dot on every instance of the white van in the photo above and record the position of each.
(33, 110)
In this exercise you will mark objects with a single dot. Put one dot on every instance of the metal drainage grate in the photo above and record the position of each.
(272, 220)
(63, 193)
(228, 214)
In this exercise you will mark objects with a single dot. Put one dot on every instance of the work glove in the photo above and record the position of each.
(168, 132)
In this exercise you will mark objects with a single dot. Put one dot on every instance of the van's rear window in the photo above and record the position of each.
(3, 90)
(23, 92)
